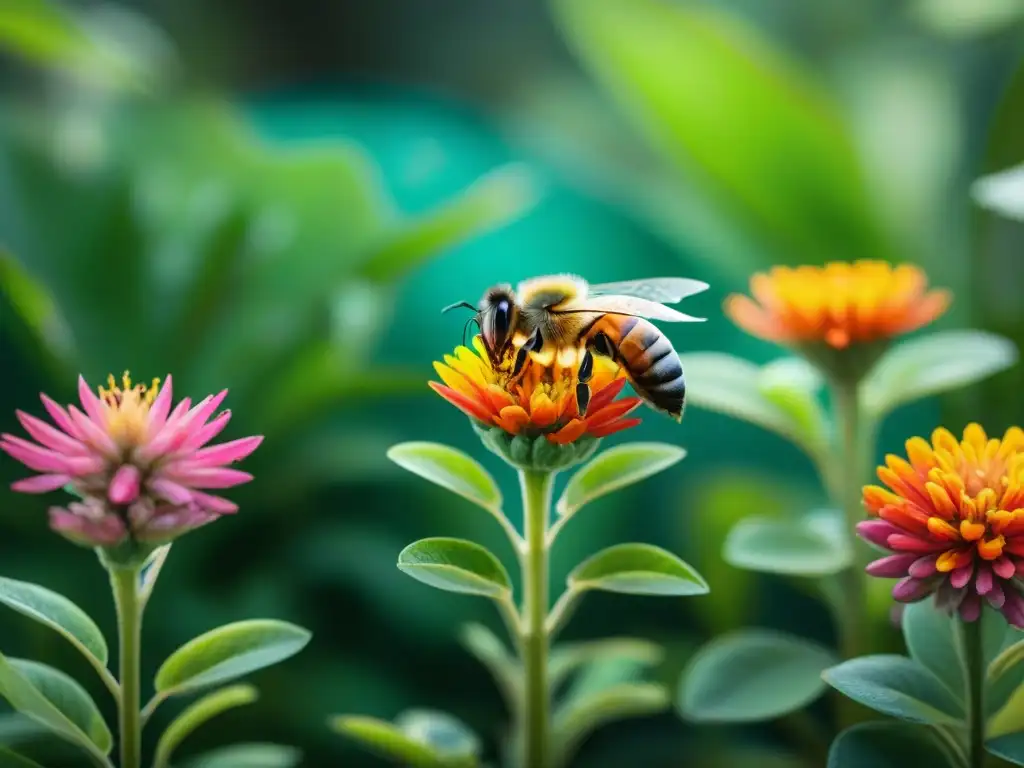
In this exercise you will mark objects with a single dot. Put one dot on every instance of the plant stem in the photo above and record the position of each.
(125, 582)
(974, 671)
(536, 487)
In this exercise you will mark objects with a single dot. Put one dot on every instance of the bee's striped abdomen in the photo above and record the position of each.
(650, 360)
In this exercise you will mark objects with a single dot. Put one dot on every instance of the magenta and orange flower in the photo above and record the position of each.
(142, 470)
(541, 401)
(953, 517)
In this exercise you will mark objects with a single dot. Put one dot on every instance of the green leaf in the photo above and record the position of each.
(456, 565)
(792, 384)
(752, 675)
(932, 364)
(445, 734)
(896, 686)
(248, 756)
(962, 20)
(786, 547)
(567, 658)
(888, 745)
(228, 652)
(1009, 747)
(58, 613)
(613, 469)
(451, 469)
(585, 714)
(727, 384)
(9, 759)
(198, 713)
(637, 569)
(930, 636)
(1004, 677)
(390, 741)
(741, 91)
(50, 697)
(493, 654)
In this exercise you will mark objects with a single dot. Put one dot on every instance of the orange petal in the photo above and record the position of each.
(611, 412)
(990, 549)
(603, 397)
(465, 404)
(512, 419)
(940, 529)
(453, 379)
(570, 433)
(753, 319)
(944, 506)
(612, 427)
(543, 412)
(876, 497)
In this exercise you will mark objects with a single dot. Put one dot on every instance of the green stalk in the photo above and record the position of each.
(536, 487)
(125, 581)
(974, 673)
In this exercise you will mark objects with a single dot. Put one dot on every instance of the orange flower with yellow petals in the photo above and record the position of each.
(953, 515)
(541, 401)
(839, 304)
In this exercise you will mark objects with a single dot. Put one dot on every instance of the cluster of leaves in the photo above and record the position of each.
(591, 682)
(926, 691)
(47, 701)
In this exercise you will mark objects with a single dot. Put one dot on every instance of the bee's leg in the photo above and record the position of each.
(583, 376)
(533, 344)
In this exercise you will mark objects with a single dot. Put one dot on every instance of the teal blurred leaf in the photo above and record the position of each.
(752, 675)
(896, 686)
(1002, 192)
(391, 741)
(248, 756)
(58, 613)
(227, 653)
(456, 565)
(196, 714)
(966, 20)
(780, 397)
(637, 569)
(696, 79)
(930, 636)
(50, 697)
(451, 469)
(888, 745)
(785, 547)
(1010, 747)
(932, 364)
(614, 469)
(567, 658)
(493, 654)
(443, 732)
(9, 759)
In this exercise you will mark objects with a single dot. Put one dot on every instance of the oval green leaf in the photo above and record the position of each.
(446, 735)
(53, 699)
(752, 675)
(792, 384)
(248, 756)
(456, 565)
(888, 745)
(58, 613)
(930, 636)
(896, 686)
(585, 714)
(786, 547)
(227, 653)
(390, 741)
(196, 714)
(451, 469)
(932, 364)
(616, 468)
(569, 657)
(1009, 747)
(637, 569)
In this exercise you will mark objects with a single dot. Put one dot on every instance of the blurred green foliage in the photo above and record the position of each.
(288, 224)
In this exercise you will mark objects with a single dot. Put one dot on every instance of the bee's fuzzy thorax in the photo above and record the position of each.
(568, 286)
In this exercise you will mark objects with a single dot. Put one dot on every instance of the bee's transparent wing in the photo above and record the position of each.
(663, 290)
(627, 305)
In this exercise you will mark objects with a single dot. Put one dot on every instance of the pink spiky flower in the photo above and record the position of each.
(142, 470)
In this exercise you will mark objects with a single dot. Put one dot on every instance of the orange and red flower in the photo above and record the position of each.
(953, 515)
(541, 401)
(839, 304)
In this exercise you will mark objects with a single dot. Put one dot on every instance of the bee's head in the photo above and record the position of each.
(497, 315)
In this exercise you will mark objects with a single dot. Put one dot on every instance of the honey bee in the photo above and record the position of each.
(561, 317)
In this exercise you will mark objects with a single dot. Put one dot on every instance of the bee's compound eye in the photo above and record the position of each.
(502, 317)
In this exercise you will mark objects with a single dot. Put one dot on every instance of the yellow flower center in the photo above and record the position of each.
(126, 408)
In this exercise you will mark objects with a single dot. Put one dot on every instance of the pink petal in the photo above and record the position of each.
(106, 531)
(997, 597)
(92, 433)
(161, 407)
(1004, 567)
(60, 417)
(176, 431)
(970, 608)
(33, 456)
(41, 483)
(214, 504)
(983, 582)
(170, 525)
(208, 477)
(46, 435)
(226, 453)
(207, 433)
(124, 488)
(91, 403)
(173, 492)
(891, 567)
(960, 577)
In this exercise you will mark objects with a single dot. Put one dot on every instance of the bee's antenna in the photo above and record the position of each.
(458, 305)
(466, 328)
